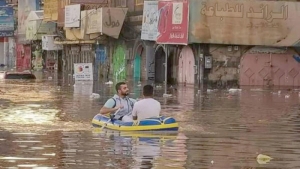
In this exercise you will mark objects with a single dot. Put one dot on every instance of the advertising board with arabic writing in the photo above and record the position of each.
(6, 21)
(51, 10)
(270, 23)
(173, 22)
(150, 21)
(83, 71)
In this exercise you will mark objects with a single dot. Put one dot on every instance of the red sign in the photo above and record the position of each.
(173, 22)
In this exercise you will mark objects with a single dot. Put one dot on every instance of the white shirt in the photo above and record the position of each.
(146, 108)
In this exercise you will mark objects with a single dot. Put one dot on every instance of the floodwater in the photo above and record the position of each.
(47, 124)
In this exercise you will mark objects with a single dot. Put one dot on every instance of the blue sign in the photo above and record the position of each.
(7, 24)
(100, 54)
(2, 2)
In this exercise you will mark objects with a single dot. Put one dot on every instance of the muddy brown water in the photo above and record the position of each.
(47, 124)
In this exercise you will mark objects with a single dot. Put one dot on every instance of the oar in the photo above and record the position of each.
(105, 124)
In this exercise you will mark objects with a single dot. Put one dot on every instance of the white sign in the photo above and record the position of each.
(48, 43)
(83, 71)
(177, 13)
(150, 21)
(94, 21)
(72, 16)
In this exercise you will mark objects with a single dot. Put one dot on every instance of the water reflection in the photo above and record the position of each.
(47, 123)
(148, 149)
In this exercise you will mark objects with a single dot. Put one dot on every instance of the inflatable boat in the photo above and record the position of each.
(151, 124)
(163, 136)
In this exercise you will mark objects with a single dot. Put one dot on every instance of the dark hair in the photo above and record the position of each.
(118, 85)
(148, 90)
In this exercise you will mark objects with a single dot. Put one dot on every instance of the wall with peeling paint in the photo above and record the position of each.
(226, 63)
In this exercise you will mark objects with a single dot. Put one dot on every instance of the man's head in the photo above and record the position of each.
(122, 89)
(148, 91)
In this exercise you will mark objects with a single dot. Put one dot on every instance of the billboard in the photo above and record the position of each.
(269, 23)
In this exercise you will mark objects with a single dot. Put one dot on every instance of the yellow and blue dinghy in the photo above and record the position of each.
(151, 124)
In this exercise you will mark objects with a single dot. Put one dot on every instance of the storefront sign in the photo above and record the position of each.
(83, 71)
(112, 21)
(173, 22)
(51, 10)
(94, 21)
(150, 21)
(268, 23)
(72, 16)
(48, 43)
(6, 21)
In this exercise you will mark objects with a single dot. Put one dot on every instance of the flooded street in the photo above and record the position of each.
(47, 124)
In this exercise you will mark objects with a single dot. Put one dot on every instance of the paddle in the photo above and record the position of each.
(111, 117)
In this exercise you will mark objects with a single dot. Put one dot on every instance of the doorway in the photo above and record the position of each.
(186, 73)
(139, 69)
(159, 65)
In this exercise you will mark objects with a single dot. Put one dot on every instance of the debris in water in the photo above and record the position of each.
(263, 159)
(235, 90)
(109, 83)
(94, 96)
(167, 95)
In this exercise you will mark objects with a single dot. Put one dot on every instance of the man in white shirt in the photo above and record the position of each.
(147, 107)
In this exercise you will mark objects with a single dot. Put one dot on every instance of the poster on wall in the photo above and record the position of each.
(72, 16)
(83, 71)
(7, 25)
(173, 22)
(150, 21)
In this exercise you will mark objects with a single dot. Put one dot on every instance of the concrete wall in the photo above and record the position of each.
(226, 63)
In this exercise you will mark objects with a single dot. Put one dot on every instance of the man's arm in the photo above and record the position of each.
(134, 112)
(107, 108)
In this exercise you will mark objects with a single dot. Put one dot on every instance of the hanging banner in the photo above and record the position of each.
(150, 21)
(6, 22)
(83, 71)
(72, 16)
(51, 10)
(173, 22)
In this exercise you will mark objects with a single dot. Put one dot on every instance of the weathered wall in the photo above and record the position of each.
(226, 62)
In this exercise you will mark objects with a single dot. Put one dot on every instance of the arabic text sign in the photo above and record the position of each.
(72, 16)
(243, 22)
(83, 71)
(150, 21)
(173, 22)
(51, 10)
(112, 21)
(94, 21)
(6, 21)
